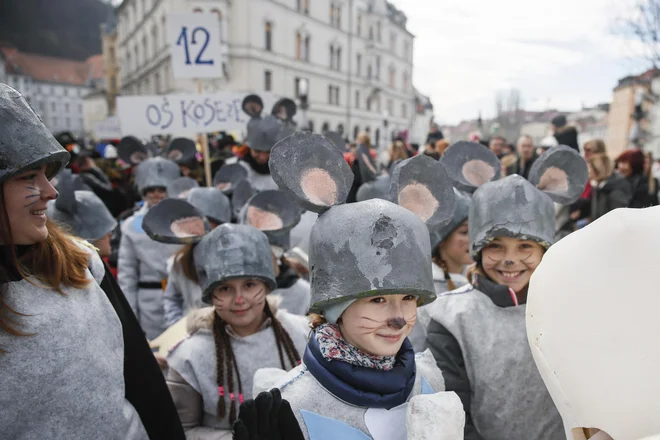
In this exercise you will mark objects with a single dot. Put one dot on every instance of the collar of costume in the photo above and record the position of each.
(287, 277)
(257, 167)
(370, 387)
(500, 294)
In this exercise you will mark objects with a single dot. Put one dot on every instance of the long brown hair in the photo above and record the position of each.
(437, 259)
(56, 262)
(226, 362)
(184, 257)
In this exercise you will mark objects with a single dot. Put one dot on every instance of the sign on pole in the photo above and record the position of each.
(108, 128)
(195, 45)
(184, 113)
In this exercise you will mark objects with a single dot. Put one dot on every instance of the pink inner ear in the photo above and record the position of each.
(138, 157)
(417, 198)
(478, 172)
(223, 186)
(188, 227)
(175, 155)
(263, 220)
(319, 187)
(184, 194)
(553, 179)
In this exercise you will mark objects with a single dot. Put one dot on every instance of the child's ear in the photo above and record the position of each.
(561, 173)
(470, 165)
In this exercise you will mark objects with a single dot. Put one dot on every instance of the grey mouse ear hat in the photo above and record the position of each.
(364, 249)
(233, 251)
(175, 221)
(179, 188)
(155, 173)
(182, 151)
(212, 203)
(228, 177)
(80, 211)
(132, 151)
(25, 142)
(513, 206)
(273, 212)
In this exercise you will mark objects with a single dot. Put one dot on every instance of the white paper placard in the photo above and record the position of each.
(185, 113)
(195, 47)
(108, 128)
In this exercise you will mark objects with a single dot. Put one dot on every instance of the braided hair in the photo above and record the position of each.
(226, 362)
(437, 259)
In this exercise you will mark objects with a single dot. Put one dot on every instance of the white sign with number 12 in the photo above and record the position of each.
(195, 45)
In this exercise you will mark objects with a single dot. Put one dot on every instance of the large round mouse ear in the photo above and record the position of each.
(309, 167)
(561, 173)
(242, 193)
(175, 221)
(284, 109)
(253, 105)
(421, 185)
(470, 165)
(272, 210)
(67, 185)
(179, 188)
(182, 150)
(131, 150)
(336, 139)
(228, 177)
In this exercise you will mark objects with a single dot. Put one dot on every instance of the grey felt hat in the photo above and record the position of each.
(233, 251)
(25, 142)
(513, 206)
(175, 221)
(243, 192)
(179, 188)
(463, 202)
(82, 212)
(132, 151)
(228, 177)
(265, 132)
(156, 173)
(378, 189)
(212, 203)
(273, 212)
(363, 249)
(284, 109)
(182, 151)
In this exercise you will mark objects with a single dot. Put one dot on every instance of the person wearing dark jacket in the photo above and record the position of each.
(630, 165)
(565, 134)
(477, 332)
(609, 190)
(526, 157)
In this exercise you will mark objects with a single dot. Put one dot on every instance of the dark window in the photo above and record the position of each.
(269, 36)
(268, 80)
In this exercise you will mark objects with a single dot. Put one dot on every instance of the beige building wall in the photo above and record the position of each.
(620, 120)
(111, 69)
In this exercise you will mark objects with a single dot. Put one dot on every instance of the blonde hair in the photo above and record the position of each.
(398, 151)
(363, 138)
(597, 144)
(602, 166)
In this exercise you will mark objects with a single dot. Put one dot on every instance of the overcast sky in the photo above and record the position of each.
(559, 54)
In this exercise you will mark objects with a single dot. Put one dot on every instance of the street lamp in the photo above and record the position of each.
(386, 117)
(303, 95)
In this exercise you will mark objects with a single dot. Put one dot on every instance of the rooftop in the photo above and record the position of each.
(51, 69)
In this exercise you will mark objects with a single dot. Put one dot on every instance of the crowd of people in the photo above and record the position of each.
(313, 291)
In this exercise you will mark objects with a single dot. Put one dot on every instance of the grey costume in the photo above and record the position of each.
(143, 260)
(181, 295)
(295, 299)
(192, 377)
(76, 388)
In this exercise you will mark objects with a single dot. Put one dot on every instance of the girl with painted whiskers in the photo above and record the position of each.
(211, 371)
(73, 358)
(370, 269)
(477, 333)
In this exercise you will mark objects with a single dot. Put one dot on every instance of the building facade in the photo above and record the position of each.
(356, 56)
(54, 87)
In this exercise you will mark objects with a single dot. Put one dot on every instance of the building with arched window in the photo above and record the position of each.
(356, 56)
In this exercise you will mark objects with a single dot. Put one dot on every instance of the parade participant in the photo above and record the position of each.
(602, 377)
(360, 377)
(451, 257)
(182, 293)
(180, 188)
(210, 372)
(82, 213)
(276, 214)
(142, 265)
(477, 332)
(228, 177)
(262, 134)
(63, 320)
(183, 151)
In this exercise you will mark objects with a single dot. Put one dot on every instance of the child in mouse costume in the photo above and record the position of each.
(182, 293)
(276, 214)
(210, 372)
(597, 351)
(370, 269)
(477, 332)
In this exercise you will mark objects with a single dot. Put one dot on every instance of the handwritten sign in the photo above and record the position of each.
(108, 128)
(195, 45)
(185, 113)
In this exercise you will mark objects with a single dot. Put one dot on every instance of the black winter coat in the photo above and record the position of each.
(568, 136)
(640, 192)
(616, 193)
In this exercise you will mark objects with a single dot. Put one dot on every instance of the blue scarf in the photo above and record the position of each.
(361, 386)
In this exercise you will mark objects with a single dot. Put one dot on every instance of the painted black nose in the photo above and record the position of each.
(396, 323)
